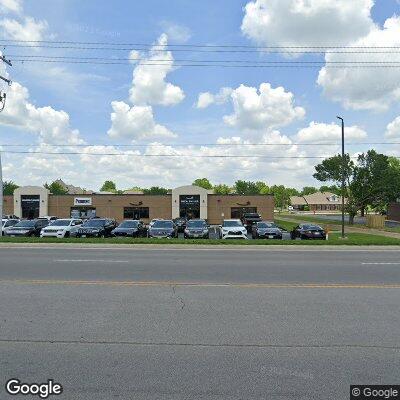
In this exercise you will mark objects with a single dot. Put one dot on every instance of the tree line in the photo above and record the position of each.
(372, 181)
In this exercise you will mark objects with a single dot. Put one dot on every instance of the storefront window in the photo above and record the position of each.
(136, 212)
(237, 212)
(83, 212)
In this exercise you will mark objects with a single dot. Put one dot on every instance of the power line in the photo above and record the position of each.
(279, 65)
(154, 45)
(23, 57)
(200, 144)
(173, 155)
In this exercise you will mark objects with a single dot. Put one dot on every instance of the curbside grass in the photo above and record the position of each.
(353, 239)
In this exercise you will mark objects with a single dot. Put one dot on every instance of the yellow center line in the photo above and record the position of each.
(206, 284)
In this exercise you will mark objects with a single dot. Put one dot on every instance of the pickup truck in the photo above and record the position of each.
(249, 219)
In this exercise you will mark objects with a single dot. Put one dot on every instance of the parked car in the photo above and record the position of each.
(266, 230)
(7, 223)
(30, 227)
(153, 221)
(196, 228)
(49, 218)
(249, 219)
(163, 229)
(233, 229)
(133, 228)
(180, 224)
(60, 228)
(96, 227)
(308, 231)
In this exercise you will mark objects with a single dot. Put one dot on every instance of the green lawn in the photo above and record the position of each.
(353, 239)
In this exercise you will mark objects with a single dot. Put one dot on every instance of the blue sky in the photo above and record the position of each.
(85, 93)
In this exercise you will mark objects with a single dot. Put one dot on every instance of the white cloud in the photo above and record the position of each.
(262, 109)
(28, 29)
(176, 33)
(365, 88)
(149, 86)
(206, 99)
(14, 6)
(50, 125)
(320, 132)
(306, 22)
(135, 122)
(393, 129)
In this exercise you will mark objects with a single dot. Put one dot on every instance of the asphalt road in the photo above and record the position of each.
(199, 324)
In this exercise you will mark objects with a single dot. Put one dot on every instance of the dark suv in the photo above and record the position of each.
(249, 219)
(96, 227)
(27, 228)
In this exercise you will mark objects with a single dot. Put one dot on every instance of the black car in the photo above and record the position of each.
(27, 228)
(180, 224)
(197, 228)
(96, 227)
(308, 231)
(250, 219)
(266, 230)
(163, 229)
(132, 228)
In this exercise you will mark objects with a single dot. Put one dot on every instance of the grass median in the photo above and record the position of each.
(353, 239)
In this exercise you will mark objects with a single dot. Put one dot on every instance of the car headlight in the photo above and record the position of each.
(205, 230)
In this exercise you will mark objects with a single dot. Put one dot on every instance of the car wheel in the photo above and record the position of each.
(66, 235)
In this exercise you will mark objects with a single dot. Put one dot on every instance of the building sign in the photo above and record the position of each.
(82, 201)
(189, 201)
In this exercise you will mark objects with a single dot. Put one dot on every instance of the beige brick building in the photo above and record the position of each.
(185, 201)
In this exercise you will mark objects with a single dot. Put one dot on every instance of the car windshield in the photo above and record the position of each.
(230, 224)
(129, 224)
(61, 222)
(251, 216)
(266, 225)
(163, 224)
(196, 224)
(25, 224)
(311, 227)
(94, 223)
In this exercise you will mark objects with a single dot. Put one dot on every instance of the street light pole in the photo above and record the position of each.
(343, 175)
(1, 194)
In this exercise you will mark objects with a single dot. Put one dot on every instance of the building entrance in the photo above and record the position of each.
(30, 206)
(189, 206)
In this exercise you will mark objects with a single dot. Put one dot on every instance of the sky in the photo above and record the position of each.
(129, 112)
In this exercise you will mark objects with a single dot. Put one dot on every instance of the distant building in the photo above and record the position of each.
(394, 211)
(71, 189)
(320, 201)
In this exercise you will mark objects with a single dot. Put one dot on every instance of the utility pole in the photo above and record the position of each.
(343, 175)
(2, 105)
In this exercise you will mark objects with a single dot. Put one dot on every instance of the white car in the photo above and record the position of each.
(7, 223)
(233, 229)
(60, 228)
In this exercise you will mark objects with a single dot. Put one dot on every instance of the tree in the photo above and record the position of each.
(330, 189)
(155, 190)
(9, 187)
(282, 195)
(262, 187)
(222, 189)
(246, 188)
(108, 186)
(371, 181)
(203, 183)
(308, 190)
(55, 188)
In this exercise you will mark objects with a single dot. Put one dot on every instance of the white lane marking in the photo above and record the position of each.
(91, 261)
(380, 263)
